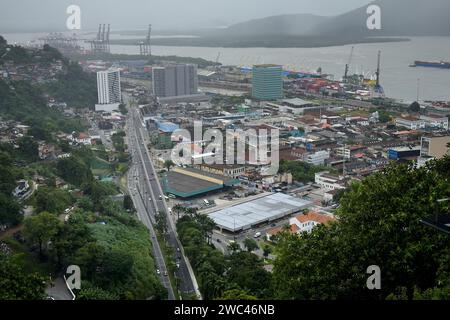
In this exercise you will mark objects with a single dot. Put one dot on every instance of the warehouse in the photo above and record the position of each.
(246, 215)
(189, 182)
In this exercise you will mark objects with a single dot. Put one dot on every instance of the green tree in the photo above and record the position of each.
(267, 250)
(128, 202)
(70, 237)
(178, 208)
(52, 200)
(10, 211)
(161, 222)
(237, 294)
(123, 109)
(414, 107)
(89, 258)
(40, 229)
(28, 148)
(74, 170)
(90, 292)
(15, 284)
(246, 270)
(234, 247)
(250, 244)
(379, 224)
(168, 164)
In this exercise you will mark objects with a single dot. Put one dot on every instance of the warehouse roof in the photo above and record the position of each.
(246, 215)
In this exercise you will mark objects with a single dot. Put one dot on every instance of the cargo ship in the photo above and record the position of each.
(432, 64)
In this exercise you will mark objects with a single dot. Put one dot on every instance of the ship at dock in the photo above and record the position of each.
(431, 64)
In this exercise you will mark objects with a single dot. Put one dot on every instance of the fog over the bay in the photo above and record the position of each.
(49, 15)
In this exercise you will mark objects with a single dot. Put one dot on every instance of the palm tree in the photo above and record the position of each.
(178, 208)
(168, 164)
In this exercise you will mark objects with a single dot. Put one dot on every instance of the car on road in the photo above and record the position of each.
(165, 273)
(178, 249)
(157, 271)
(178, 265)
(257, 235)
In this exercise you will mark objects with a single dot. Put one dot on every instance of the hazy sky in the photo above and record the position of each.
(163, 14)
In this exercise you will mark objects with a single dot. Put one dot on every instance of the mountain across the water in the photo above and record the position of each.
(399, 18)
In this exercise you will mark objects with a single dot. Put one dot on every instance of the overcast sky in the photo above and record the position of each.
(163, 14)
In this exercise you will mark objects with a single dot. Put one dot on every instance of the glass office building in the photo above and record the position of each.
(267, 82)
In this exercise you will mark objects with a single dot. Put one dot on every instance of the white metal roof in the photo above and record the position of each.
(245, 215)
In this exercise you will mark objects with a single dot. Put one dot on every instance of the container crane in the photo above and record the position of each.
(347, 66)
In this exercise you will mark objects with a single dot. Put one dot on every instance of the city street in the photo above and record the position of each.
(149, 197)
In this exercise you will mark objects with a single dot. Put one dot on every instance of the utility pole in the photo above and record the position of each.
(343, 164)
(418, 89)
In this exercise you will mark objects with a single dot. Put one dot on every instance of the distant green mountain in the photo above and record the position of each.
(398, 18)
(289, 25)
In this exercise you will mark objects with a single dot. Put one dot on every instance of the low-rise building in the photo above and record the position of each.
(232, 171)
(318, 158)
(306, 222)
(328, 181)
(436, 147)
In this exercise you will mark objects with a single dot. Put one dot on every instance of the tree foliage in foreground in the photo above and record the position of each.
(237, 275)
(379, 225)
(15, 284)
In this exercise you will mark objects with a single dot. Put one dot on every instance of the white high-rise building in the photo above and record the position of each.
(109, 90)
(174, 81)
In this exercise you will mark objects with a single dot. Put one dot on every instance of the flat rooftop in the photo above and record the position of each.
(246, 215)
(190, 182)
(185, 186)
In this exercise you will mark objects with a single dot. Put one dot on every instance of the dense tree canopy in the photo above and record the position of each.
(301, 171)
(379, 224)
(15, 284)
(40, 229)
(218, 274)
(74, 170)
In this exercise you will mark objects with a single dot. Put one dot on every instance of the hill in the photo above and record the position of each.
(398, 18)
(291, 25)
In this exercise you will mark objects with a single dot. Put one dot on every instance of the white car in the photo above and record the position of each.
(157, 271)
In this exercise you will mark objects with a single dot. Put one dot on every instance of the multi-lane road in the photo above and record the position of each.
(149, 200)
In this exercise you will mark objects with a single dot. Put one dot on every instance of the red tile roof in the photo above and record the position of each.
(314, 216)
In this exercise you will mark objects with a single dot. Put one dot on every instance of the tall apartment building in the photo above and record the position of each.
(108, 85)
(109, 90)
(267, 82)
(174, 81)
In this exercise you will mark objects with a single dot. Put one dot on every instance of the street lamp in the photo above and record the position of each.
(441, 222)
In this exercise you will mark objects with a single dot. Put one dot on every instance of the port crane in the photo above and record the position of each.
(145, 46)
(347, 66)
(379, 91)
